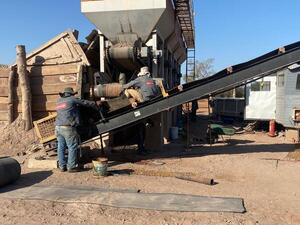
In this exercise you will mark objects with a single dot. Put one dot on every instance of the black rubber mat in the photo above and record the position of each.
(126, 199)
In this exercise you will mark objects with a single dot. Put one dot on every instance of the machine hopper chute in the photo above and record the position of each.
(124, 21)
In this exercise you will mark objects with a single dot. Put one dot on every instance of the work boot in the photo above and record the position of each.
(133, 102)
(142, 152)
(63, 169)
(74, 170)
(134, 105)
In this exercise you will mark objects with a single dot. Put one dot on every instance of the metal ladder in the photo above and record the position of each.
(190, 76)
(190, 65)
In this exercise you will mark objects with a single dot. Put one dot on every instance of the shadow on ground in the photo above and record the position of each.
(27, 180)
(225, 146)
(178, 151)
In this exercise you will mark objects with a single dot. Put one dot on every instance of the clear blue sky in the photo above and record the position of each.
(231, 31)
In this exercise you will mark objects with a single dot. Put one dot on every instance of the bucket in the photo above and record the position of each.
(100, 167)
(173, 133)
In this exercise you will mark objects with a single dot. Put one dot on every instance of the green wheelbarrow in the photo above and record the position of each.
(215, 131)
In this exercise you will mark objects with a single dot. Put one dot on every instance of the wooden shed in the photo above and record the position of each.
(4, 73)
(57, 64)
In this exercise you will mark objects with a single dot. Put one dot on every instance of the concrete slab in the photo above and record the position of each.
(42, 164)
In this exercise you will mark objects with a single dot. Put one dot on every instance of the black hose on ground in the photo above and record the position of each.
(10, 171)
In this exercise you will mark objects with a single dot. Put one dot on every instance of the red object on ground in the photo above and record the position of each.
(272, 128)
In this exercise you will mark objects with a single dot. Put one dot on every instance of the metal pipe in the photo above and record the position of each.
(10, 171)
(207, 181)
(108, 90)
(124, 57)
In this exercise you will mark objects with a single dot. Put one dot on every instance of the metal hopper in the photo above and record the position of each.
(124, 20)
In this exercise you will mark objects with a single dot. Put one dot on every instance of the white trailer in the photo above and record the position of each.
(261, 99)
(276, 97)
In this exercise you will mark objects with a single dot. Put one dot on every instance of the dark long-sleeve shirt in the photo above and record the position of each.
(146, 86)
(68, 110)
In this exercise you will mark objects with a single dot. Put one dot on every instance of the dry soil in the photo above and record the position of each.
(251, 166)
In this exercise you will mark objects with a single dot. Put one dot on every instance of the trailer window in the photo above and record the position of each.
(298, 82)
(280, 80)
(261, 86)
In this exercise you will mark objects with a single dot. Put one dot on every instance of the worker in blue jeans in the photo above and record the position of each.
(67, 121)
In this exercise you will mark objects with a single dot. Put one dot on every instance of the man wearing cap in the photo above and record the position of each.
(67, 121)
(142, 89)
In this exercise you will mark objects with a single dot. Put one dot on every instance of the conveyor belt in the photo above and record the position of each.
(222, 81)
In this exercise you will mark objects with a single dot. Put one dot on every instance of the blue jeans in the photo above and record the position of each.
(67, 137)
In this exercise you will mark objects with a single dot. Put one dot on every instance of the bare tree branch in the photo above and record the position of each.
(203, 69)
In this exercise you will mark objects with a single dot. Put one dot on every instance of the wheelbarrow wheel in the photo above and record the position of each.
(211, 137)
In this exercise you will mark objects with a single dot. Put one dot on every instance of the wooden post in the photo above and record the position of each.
(25, 86)
(10, 105)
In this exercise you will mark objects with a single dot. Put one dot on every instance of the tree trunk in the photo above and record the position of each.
(10, 105)
(25, 86)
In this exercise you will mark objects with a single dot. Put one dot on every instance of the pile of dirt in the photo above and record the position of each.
(15, 141)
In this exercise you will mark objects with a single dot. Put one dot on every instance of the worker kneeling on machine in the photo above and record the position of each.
(142, 89)
(67, 121)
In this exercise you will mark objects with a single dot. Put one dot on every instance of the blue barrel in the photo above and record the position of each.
(10, 171)
(174, 132)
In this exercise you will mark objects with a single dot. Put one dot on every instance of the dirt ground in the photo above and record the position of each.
(252, 166)
(14, 140)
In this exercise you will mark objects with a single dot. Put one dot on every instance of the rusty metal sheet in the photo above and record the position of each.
(53, 70)
(62, 49)
(3, 82)
(50, 89)
(3, 92)
(3, 116)
(40, 106)
(54, 79)
(4, 72)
